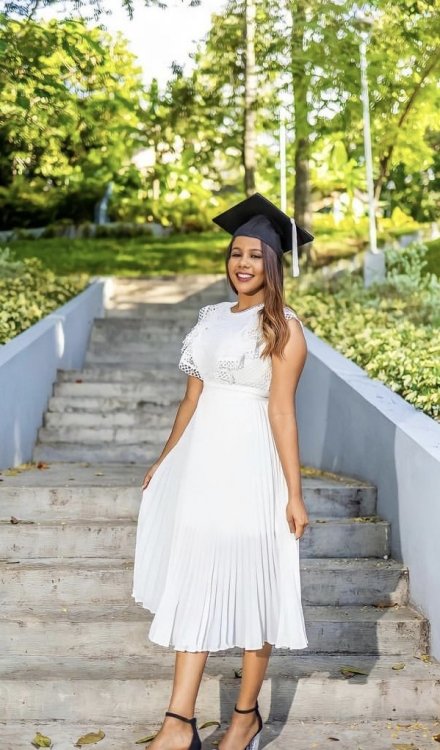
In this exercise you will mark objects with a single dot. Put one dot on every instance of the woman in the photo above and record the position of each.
(217, 548)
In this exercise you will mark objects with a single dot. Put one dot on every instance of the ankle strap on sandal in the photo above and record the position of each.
(178, 716)
(246, 710)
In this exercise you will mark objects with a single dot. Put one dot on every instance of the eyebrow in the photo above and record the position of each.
(252, 249)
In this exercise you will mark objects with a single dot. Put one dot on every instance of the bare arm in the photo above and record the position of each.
(286, 373)
(186, 409)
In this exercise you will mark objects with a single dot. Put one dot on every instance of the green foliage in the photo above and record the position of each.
(392, 330)
(71, 118)
(28, 292)
(433, 257)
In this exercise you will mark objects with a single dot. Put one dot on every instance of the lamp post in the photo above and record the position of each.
(283, 179)
(283, 168)
(374, 259)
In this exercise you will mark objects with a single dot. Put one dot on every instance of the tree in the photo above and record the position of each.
(70, 120)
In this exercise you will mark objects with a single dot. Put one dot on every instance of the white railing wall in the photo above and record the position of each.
(28, 368)
(355, 425)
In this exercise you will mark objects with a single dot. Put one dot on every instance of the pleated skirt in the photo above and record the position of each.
(215, 561)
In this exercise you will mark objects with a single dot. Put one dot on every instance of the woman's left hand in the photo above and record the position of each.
(297, 517)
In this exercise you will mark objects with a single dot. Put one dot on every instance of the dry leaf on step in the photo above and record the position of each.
(40, 740)
(90, 738)
(143, 740)
(350, 671)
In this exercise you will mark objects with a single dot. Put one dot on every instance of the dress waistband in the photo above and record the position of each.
(236, 388)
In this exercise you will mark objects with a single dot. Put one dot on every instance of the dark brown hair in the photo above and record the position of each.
(272, 319)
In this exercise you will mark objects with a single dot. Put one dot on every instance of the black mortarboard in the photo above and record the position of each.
(258, 217)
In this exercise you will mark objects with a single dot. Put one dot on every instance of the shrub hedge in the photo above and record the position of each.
(28, 292)
(390, 329)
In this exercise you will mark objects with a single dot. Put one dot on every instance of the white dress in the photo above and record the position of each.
(215, 560)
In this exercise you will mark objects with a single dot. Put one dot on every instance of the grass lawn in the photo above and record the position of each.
(138, 256)
(145, 256)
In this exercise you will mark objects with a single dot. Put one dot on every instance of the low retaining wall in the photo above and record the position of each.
(29, 364)
(355, 425)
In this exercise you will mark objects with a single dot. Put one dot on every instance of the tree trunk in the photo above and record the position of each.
(250, 92)
(300, 82)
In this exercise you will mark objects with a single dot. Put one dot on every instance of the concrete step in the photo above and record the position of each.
(152, 331)
(106, 491)
(106, 631)
(151, 337)
(341, 537)
(278, 735)
(164, 394)
(324, 581)
(68, 433)
(298, 687)
(118, 375)
(133, 359)
(97, 453)
(138, 419)
(148, 353)
(71, 404)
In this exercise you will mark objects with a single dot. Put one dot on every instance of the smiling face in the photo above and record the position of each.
(246, 265)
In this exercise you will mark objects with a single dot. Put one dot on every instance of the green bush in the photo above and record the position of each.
(28, 292)
(121, 230)
(390, 329)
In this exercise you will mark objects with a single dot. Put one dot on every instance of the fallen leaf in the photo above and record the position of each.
(79, 380)
(382, 605)
(42, 465)
(143, 740)
(350, 671)
(99, 473)
(213, 723)
(19, 520)
(238, 672)
(40, 740)
(398, 665)
(90, 738)
(334, 738)
(405, 746)
(436, 737)
(424, 657)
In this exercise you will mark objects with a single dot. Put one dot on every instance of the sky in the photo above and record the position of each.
(159, 37)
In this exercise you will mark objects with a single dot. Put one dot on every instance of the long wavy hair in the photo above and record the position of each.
(272, 319)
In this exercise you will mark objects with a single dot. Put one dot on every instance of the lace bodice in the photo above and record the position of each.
(225, 347)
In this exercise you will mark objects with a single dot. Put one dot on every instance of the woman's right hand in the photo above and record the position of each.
(149, 474)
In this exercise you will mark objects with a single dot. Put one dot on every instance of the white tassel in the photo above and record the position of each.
(295, 264)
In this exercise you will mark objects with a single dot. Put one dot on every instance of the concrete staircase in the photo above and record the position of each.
(75, 655)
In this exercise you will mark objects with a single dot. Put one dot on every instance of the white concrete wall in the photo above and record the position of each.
(28, 369)
(353, 424)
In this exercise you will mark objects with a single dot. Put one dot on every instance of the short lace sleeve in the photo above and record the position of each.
(186, 362)
(289, 314)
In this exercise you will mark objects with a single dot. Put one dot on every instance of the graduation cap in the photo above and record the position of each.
(258, 217)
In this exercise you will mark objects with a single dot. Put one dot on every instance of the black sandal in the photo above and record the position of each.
(196, 742)
(254, 743)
